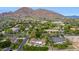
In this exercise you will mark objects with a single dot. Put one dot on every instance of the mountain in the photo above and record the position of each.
(46, 13)
(26, 11)
(72, 16)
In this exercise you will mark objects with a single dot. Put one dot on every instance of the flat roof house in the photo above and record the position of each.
(52, 30)
(36, 42)
(15, 29)
(74, 28)
(57, 40)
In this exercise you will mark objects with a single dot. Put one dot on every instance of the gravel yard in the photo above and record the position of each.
(74, 40)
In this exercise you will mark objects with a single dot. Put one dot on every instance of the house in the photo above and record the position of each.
(14, 40)
(3, 32)
(51, 30)
(26, 29)
(59, 22)
(74, 28)
(43, 22)
(15, 29)
(36, 42)
(16, 25)
(57, 40)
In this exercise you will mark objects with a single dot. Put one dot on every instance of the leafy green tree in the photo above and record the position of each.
(5, 44)
(14, 46)
(9, 31)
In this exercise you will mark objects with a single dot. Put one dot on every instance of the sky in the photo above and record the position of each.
(66, 11)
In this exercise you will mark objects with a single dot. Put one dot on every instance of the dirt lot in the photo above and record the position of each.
(74, 40)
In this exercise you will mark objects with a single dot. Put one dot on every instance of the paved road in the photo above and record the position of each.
(22, 44)
(7, 49)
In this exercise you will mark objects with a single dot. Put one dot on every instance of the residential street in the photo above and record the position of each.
(22, 44)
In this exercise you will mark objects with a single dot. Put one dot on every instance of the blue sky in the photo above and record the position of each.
(67, 11)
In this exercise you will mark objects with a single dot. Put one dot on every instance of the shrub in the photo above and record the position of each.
(14, 46)
(61, 46)
(34, 48)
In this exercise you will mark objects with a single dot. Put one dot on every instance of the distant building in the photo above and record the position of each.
(43, 22)
(58, 22)
(51, 30)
